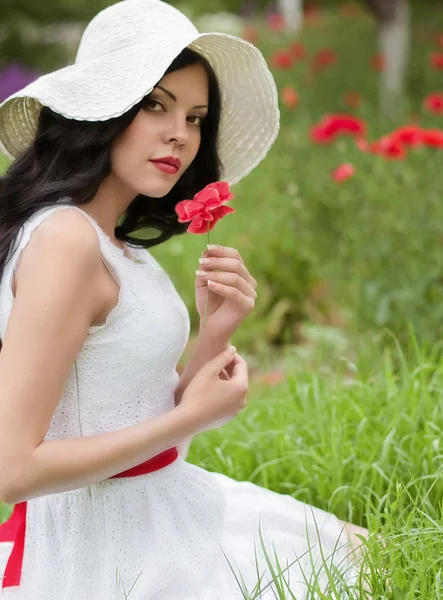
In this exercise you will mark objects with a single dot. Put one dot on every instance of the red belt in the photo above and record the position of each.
(14, 529)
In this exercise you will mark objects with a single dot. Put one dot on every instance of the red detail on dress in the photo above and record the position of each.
(14, 530)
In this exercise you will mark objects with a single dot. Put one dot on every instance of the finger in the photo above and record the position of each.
(225, 251)
(231, 265)
(245, 304)
(224, 374)
(230, 280)
(221, 361)
(230, 367)
(239, 369)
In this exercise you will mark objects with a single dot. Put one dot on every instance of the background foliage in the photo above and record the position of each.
(357, 256)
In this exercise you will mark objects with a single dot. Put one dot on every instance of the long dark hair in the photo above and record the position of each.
(70, 158)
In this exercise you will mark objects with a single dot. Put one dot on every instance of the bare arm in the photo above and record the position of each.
(64, 465)
(56, 300)
(206, 349)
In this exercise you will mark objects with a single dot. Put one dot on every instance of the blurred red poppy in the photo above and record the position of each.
(250, 34)
(408, 135)
(272, 378)
(433, 138)
(281, 59)
(326, 57)
(289, 97)
(337, 124)
(378, 62)
(343, 172)
(297, 50)
(368, 147)
(390, 148)
(436, 60)
(275, 22)
(434, 103)
(363, 144)
(352, 99)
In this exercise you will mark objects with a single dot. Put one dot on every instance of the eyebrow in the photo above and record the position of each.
(171, 95)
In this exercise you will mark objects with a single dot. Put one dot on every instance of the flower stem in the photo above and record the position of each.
(207, 295)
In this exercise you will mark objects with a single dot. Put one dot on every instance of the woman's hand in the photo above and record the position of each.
(233, 296)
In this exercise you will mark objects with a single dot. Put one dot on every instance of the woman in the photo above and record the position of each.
(92, 409)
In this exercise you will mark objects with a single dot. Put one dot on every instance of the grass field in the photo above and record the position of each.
(345, 407)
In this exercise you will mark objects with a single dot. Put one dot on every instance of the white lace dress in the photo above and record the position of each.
(169, 532)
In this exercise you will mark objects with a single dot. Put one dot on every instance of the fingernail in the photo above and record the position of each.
(211, 246)
(201, 273)
(232, 349)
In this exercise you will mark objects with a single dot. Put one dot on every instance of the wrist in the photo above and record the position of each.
(205, 338)
(189, 420)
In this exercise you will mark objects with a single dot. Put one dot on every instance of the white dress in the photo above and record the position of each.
(170, 532)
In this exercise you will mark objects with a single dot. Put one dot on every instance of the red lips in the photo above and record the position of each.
(170, 160)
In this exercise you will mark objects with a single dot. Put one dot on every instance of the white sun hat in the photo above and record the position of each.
(123, 53)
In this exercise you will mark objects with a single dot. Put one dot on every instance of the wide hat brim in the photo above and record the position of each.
(103, 88)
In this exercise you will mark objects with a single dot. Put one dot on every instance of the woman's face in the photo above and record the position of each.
(163, 127)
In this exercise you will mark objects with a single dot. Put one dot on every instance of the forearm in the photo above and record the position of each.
(68, 464)
(205, 351)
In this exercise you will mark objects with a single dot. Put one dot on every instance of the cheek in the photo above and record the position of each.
(138, 130)
(130, 146)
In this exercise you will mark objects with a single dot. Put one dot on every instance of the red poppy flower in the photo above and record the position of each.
(369, 147)
(206, 207)
(289, 97)
(390, 148)
(276, 22)
(333, 125)
(433, 138)
(378, 62)
(352, 99)
(326, 57)
(434, 103)
(296, 50)
(250, 34)
(343, 172)
(281, 59)
(363, 144)
(408, 135)
(436, 60)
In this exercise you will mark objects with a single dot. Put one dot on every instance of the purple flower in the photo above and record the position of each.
(14, 78)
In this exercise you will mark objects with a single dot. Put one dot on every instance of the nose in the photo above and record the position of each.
(177, 130)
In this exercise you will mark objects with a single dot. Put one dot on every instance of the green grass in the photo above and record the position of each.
(364, 441)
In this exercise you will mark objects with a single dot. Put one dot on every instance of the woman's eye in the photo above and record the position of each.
(151, 104)
(198, 117)
(152, 101)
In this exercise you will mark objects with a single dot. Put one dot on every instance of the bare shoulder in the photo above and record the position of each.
(70, 228)
(66, 237)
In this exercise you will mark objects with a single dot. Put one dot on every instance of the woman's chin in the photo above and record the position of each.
(156, 191)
